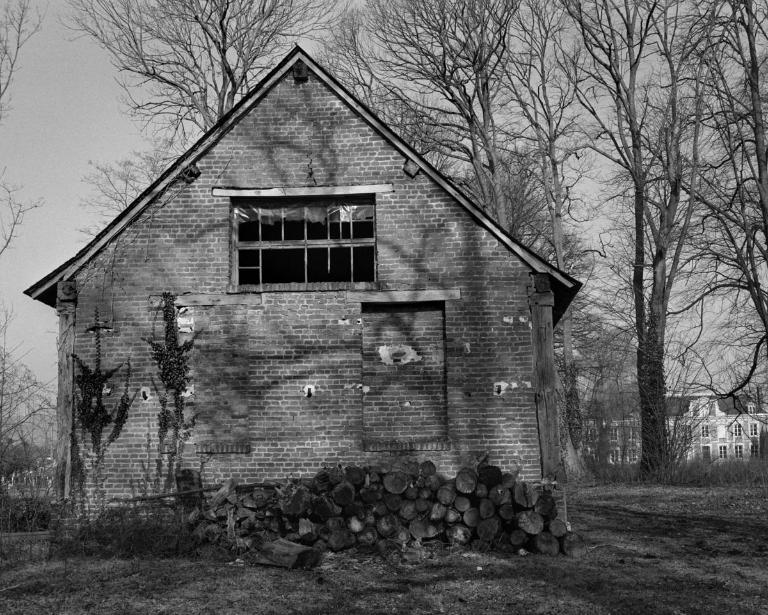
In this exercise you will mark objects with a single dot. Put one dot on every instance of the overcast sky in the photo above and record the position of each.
(65, 111)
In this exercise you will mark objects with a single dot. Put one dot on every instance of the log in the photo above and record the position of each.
(392, 501)
(423, 505)
(530, 522)
(433, 482)
(390, 550)
(403, 536)
(425, 493)
(518, 538)
(481, 491)
(335, 475)
(487, 508)
(573, 545)
(462, 503)
(367, 537)
(546, 506)
(458, 534)
(506, 512)
(427, 468)
(437, 512)
(227, 489)
(299, 503)
(336, 523)
(408, 510)
(418, 529)
(466, 481)
(557, 528)
(395, 482)
(488, 529)
(355, 525)
(322, 481)
(446, 494)
(412, 492)
(323, 509)
(546, 544)
(452, 516)
(355, 509)
(343, 493)
(489, 475)
(288, 554)
(525, 495)
(380, 509)
(387, 526)
(371, 494)
(411, 467)
(355, 475)
(500, 495)
(471, 517)
(338, 540)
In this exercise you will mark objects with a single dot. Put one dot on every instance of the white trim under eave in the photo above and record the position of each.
(303, 191)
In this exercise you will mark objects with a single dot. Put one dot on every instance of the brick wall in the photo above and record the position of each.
(251, 361)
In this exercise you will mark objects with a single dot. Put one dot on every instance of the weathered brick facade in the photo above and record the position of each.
(257, 354)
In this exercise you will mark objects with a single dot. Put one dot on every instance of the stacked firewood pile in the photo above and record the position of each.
(388, 508)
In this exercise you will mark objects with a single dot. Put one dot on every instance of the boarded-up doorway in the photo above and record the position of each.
(404, 374)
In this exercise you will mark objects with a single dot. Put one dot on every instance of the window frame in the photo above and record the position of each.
(281, 203)
(738, 451)
(705, 430)
(753, 431)
(738, 430)
(722, 451)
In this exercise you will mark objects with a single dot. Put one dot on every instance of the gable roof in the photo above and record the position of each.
(564, 286)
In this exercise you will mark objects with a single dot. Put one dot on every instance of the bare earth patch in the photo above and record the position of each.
(653, 549)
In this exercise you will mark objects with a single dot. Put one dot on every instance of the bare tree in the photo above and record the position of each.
(435, 70)
(734, 182)
(543, 100)
(641, 88)
(184, 63)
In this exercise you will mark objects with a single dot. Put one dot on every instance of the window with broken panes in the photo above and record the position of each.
(289, 241)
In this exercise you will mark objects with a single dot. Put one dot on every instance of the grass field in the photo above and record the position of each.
(653, 549)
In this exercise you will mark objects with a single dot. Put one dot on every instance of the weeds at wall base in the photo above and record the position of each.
(124, 532)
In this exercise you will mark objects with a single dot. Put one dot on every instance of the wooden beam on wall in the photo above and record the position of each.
(541, 300)
(66, 306)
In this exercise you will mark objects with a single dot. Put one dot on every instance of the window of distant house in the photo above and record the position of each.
(633, 455)
(738, 451)
(723, 451)
(614, 456)
(753, 430)
(706, 455)
(751, 407)
(615, 433)
(737, 431)
(754, 449)
(705, 431)
(325, 239)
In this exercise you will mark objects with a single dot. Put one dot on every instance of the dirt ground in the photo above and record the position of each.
(651, 550)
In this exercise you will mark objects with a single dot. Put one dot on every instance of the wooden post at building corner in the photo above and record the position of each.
(541, 300)
(66, 306)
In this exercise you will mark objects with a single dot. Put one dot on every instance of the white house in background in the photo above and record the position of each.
(727, 428)
(713, 429)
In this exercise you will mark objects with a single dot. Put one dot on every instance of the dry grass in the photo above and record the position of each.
(653, 550)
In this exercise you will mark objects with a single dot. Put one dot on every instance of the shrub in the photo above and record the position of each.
(20, 513)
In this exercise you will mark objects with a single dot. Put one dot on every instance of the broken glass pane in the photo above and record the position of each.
(317, 222)
(293, 223)
(364, 264)
(340, 221)
(247, 223)
(249, 258)
(318, 265)
(282, 266)
(248, 277)
(340, 265)
(271, 224)
(362, 222)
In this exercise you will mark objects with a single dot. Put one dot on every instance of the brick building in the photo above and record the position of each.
(347, 302)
